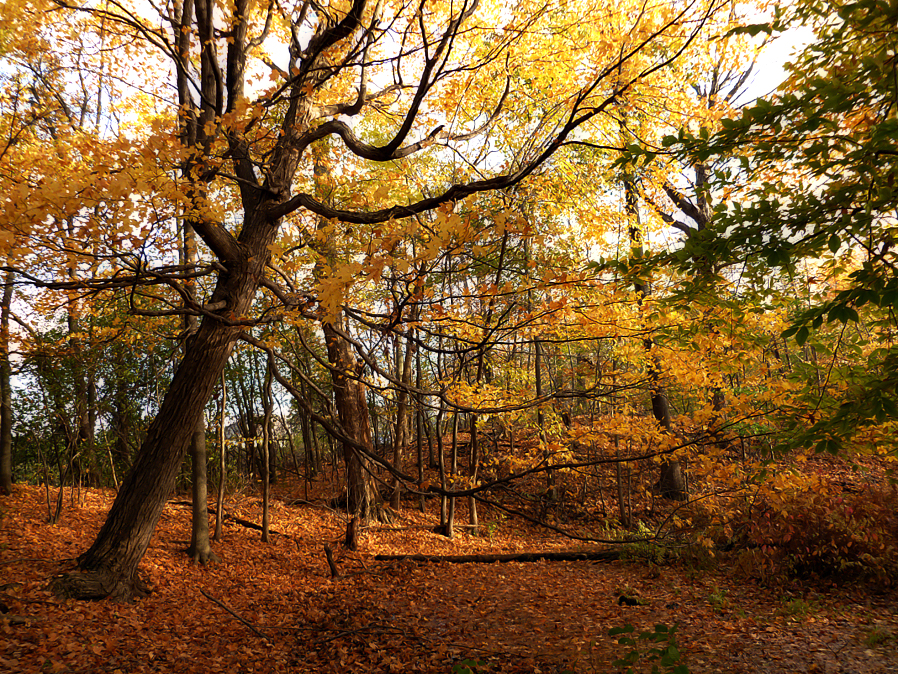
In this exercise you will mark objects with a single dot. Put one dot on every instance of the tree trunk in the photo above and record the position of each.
(450, 516)
(200, 547)
(671, 483)
(266, 450)
(441, 462)
(472, 471)
(5, 390)
(404, 374)
(419, 428)
(109, 567)
(551, 491)
(352, 409)
(223, 461)
(349, 393)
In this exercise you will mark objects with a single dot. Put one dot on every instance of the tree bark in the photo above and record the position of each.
(349, 393)
(404, 374)
(490, 558)
(671, 483)
(223, 461)
(266, 449)
(352, 410)
(5, 390)
(419, 428)
(200, 547)
(109, 567)
(473, 468)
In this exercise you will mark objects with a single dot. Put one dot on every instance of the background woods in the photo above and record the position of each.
(468, 271)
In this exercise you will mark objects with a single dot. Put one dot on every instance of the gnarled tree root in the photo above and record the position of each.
(203, 557)
(96, 585)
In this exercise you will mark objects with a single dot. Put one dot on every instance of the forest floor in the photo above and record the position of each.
(401, 616)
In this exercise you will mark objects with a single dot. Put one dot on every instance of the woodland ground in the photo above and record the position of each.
(400, 616)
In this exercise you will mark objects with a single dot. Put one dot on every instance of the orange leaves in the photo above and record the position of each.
(408, 617)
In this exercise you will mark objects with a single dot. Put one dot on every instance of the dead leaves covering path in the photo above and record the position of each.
(400, 616)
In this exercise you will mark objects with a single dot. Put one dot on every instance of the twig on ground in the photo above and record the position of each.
(233, 613)
(33, 559)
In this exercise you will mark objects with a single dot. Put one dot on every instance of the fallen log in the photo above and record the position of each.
(489, 558)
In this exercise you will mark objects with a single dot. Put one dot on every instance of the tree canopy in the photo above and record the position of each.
(544, 239)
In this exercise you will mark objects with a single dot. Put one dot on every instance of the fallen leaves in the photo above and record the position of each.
(393, 616)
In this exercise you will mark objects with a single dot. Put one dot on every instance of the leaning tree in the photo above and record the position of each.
(229, 108)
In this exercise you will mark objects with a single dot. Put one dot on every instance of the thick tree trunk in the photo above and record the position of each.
(109, 567)
(352, 408)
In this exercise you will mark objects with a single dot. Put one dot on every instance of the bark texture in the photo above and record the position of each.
(200, 546)
(5, 391)
(352, 409)
(671, 482)
(109, 567)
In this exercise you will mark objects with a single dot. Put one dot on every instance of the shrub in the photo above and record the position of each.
(813, 533)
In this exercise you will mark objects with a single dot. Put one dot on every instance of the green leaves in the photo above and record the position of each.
(819, 159)
(657, 647)
(469, 666)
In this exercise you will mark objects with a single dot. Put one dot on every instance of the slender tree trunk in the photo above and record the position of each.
(223, 461)
(200, 547)
(92, 418)
(671, 482)
(621, 501)
(472, 471)
(5, 389)
(419, 426)
(266, 449)
(441, 460)
(310, 458)
(540, 420)
(405, 376)
(78, 430)
(450, 518)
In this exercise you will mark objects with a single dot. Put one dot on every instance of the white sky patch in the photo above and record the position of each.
(770, 71)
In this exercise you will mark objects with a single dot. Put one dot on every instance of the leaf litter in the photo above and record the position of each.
(275, 608)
